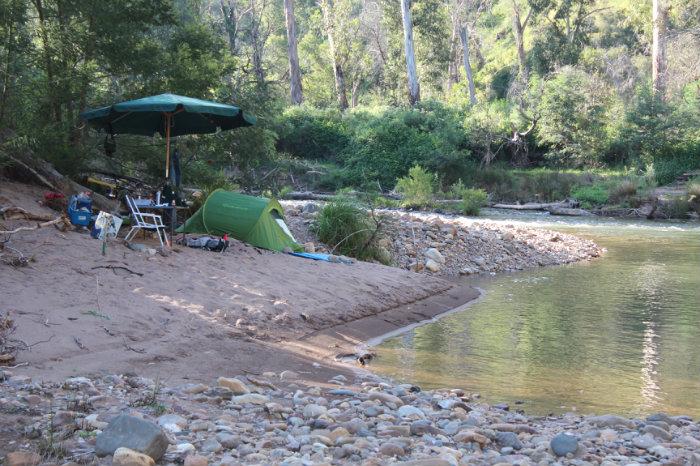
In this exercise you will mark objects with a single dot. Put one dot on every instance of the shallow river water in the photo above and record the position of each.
(619, 334)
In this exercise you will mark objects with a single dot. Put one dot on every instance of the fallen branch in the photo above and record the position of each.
(29, 347)
(55, 221)
(79, 343)
(14, 213)
(114, 267)
(131, 348)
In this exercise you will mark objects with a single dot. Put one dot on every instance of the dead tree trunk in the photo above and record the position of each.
(658, 50)
(337, 68)
(294, 72)
(413, 85)
(464, 37)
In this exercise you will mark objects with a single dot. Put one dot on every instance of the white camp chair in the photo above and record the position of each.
(145, 222)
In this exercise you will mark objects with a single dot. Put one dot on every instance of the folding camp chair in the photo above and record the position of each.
(145, 222)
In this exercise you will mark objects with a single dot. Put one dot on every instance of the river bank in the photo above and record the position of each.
(271, 418)
(192, 316)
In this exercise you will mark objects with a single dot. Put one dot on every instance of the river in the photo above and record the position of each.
(620, 334)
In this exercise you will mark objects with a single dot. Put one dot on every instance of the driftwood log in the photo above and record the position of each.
(569, 212)
(536, 206)
(44, 173)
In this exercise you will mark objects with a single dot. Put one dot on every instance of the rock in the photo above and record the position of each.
(235, 385)
(386, 398)
(422, 427)
(611, 420)
(426, 462)
(509, 439)
(196, 388)
(22, 458)
(127, 457)
(289, 375)
(310, 208)
(645, 441)
(410, 411)
(133, 433)
(172, 422)
(563, 444)
(309, 247)
(469, 436)
(228, 440)
(435, 255)
(391, 449)
(62, 418)
(250, 398)
(211, 445)
(657, 432)
(314, 410)
(196, 460)
(432, 265)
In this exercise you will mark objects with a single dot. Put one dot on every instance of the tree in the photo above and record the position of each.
(658, 50)
(339, 76)
(412, 75)
(519, 26)
(294, 72)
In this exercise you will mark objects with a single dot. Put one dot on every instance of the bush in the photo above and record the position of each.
(623, 191)
(676, 207)
(349, 229)
(473, 200)
(591, 196)
(418, 187)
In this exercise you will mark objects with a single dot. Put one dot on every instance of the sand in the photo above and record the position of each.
(195, 314)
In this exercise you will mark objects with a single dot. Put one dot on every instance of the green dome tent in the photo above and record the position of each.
(255, 220)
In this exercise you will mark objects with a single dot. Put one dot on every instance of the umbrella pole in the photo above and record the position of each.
(168, 116)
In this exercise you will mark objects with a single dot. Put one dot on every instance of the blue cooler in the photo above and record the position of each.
(80, 210)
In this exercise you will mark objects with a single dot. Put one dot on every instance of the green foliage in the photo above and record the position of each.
(591, 196)
(623, 191)
(350, 229)
(417, 188)
(473, 200)
(572, 118)
(311, 133)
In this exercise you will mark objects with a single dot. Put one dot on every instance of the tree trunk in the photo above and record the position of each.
(413, 85)
(294, 72)
(337, 68)
(228, 11)
(257, 44)
(658, 51)
(518, 33)
(452, 74)
(48, 62)
(463, 36)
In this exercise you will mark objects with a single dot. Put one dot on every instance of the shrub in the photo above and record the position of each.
(676, 207)
(623, 191)
(591, 196)
(473, 200)
(418, 187)
(349, 229)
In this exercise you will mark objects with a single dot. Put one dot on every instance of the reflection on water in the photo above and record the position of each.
(619, 334)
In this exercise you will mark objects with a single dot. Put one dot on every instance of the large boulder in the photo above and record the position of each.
(133, 433)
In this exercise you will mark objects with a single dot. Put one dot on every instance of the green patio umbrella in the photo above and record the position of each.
(169, 115)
